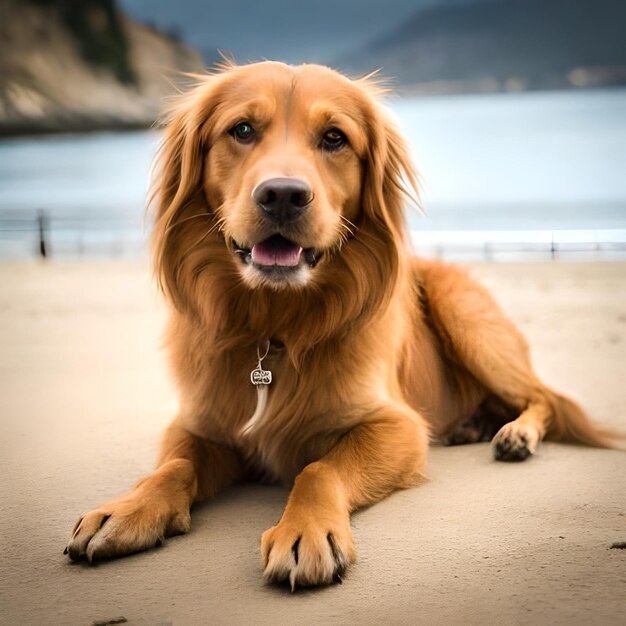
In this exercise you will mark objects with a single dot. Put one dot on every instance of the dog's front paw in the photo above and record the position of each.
(515, 441)
(129, 524)
(306, 551)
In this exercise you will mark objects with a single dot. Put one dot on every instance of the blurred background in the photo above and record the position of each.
(515, 111)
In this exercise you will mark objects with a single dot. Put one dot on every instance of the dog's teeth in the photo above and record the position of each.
(244, 255)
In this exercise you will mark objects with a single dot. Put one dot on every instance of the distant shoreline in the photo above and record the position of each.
(52, 127)
(488, 87)
(47, 129)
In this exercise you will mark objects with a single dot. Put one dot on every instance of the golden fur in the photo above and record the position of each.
(373, 351)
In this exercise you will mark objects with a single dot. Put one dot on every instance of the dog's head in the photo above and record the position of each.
(272, 171)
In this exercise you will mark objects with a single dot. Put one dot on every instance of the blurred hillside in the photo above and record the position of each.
(494, 45)
(293, 32)
(82, 65)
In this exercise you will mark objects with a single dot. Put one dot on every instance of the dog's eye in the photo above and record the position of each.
(242, 132)
(333, 139)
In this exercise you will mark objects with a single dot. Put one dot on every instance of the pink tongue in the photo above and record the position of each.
(276, 252)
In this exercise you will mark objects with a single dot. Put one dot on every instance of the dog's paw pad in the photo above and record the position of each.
(515, 442)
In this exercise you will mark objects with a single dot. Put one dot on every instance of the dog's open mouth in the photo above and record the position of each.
(277, 253)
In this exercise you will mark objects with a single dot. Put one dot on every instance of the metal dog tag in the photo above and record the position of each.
(259, 376)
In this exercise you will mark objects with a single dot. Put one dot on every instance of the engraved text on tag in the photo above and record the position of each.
(259, 376)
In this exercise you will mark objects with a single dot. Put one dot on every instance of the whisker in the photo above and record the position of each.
(344, 235)
(219, 225)
(208, 232)
(185, 219)
(346, 230)
(350, 224)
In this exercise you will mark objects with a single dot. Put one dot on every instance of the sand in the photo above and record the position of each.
(84, 394)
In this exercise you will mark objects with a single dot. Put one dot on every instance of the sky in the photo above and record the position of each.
(282, 30)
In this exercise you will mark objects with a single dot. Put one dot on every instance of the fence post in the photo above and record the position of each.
(42, 220)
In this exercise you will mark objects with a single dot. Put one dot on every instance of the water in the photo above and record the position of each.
(549, 160)
(492, 166)
(92, 186)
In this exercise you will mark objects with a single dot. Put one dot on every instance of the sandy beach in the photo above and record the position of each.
(84, 395)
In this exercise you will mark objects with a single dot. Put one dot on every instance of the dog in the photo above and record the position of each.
(308, 344)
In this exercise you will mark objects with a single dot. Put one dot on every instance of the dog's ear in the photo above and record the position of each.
(177, 179)
(390, 184)
(391, 181)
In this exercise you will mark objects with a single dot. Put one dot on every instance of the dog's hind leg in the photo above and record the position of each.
(189, 469)
(480, 339)
(491, 415)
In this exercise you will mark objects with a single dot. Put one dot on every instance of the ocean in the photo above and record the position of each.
(523, 172)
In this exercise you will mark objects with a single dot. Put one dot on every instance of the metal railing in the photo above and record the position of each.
(521, 245)
(42, 233)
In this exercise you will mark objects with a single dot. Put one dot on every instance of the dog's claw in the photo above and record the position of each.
(294, 549)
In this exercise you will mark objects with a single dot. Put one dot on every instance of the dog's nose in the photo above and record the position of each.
(282, 199)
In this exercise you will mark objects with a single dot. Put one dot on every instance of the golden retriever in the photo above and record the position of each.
(280, 242)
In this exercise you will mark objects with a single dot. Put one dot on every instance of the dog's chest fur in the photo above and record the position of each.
(308, 408)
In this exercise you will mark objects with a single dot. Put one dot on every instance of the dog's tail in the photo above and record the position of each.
(572, 424)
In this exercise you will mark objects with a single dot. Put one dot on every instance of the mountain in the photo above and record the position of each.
(74, 66)
(294, 32)
(501, 45)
